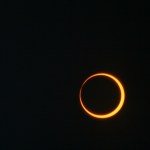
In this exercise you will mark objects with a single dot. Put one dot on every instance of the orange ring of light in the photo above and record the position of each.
(117, 109)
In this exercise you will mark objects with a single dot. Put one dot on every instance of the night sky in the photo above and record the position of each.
(48, 49)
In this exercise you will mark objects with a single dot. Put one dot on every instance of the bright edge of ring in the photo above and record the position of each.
(121, 102)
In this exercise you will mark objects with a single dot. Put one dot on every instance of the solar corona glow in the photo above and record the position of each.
(121, 102)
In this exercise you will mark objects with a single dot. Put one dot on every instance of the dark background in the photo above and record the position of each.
(48, 49)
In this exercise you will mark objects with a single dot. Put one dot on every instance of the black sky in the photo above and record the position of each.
(48, 50)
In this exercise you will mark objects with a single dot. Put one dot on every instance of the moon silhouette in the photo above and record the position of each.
(119, 106)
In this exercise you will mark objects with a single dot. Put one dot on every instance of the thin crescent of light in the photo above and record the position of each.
(117, 109)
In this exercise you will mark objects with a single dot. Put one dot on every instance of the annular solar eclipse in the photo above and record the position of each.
(119, 106)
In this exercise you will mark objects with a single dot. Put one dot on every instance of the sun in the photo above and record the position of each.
(119, 106)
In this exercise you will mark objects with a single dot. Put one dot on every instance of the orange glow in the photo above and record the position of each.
(117, 109)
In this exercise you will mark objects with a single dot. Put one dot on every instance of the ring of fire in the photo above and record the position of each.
(117, 109)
